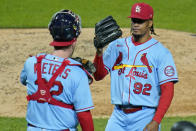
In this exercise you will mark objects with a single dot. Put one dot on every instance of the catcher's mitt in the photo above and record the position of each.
(87, 65)
(106, 31)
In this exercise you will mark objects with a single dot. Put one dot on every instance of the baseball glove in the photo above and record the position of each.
(106, 31)
(88, 66)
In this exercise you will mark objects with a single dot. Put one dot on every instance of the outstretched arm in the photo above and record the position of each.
(101, 72)
(106, 31)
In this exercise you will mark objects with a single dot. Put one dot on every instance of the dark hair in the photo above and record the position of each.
(152, 30)
(61, 47)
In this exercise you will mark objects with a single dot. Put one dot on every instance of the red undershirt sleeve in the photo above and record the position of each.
(167, 93)
(101, 72)
(86, 121)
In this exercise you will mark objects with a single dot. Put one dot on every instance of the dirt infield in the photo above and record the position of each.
(17, 44)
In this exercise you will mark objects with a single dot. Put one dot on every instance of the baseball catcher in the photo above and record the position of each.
(59, 96)
(106, 31)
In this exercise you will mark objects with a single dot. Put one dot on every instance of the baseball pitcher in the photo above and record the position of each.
(142, 72)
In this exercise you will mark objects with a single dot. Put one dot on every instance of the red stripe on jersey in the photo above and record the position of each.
(137, 43)
(169, 79)
(107, 68)
(127, 47)
(143, 50)
(134, 64)
(85, 108)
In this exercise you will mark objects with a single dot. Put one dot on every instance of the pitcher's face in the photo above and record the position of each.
(140, 27)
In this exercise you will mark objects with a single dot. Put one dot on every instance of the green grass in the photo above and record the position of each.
(169, 14)
(12, 124)
(169, 121)
(19, 124)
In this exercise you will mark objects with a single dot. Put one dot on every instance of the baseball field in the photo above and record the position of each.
(23, 32)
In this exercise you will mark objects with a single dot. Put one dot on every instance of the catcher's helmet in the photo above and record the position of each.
(64, 27)
(183, 126)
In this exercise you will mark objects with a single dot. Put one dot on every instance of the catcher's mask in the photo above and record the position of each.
(64, 27)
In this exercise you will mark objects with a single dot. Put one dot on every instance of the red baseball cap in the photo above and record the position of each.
(64, 43)
(141, 11)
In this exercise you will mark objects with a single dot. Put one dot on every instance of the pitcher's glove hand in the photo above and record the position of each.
(106, 31)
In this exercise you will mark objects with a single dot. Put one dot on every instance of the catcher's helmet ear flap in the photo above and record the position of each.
(183, 126)
(65, 26)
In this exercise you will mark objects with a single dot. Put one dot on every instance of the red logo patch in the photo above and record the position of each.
(169, 71)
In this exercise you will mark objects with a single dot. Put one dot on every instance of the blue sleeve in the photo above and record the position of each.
(166, 69)
(23, 76)
(109, 56)
(82, 98)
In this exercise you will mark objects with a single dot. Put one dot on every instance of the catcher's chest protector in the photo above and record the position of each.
(43, 93)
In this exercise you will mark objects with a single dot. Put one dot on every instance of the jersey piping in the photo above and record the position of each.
(133, 67)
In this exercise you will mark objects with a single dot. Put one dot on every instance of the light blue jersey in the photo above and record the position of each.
(138, 71)
(75, 91)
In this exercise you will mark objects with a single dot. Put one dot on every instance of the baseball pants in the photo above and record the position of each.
(120, 121)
